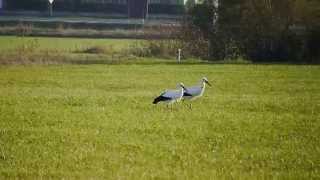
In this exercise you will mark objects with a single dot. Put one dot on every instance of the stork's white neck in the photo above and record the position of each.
(181, 90)
(203, 87)
(181, 93)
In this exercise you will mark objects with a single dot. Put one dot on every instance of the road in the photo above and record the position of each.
(90, 20)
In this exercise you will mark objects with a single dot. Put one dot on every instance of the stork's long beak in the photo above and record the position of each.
(208, 83)
(184, 88)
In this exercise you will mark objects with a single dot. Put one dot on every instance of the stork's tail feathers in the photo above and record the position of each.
(159, 99)
(156, 100)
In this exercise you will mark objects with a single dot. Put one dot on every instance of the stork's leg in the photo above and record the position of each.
(186, 103)
(169, 105)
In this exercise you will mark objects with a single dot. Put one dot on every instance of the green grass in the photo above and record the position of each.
(44, 50)
(97, 121)
(62, 44)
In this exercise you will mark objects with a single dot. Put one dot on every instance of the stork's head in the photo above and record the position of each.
(182, 86)
(205, 80)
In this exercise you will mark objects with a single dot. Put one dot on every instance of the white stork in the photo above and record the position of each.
(194, 92)
(171, 96)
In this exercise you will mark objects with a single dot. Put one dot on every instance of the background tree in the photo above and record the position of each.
(260, 30)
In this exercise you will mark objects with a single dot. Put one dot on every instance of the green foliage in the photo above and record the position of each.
(261, 30)
(8, 43)
(201, 16)
(27, 50)
(189, 4)
(28, 53)
(156, 48)
(98, 122)
(97, 49)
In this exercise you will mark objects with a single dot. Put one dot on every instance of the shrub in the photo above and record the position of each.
(156, 48)
(97, 49)
(29, 53)
(24, 29)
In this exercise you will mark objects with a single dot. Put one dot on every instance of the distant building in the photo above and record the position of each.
(131, 8)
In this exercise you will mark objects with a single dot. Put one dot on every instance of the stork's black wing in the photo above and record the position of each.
(160, 98)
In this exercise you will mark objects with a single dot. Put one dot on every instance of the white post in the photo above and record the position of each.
(179, 55)
(50, 8)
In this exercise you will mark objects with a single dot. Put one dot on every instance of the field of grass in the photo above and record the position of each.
(98, 122)
(44, 50)
(62, 44)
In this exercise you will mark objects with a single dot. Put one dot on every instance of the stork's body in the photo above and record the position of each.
(171, 96)
(194, 92)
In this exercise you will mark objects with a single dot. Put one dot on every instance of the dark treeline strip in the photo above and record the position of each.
(259, 30)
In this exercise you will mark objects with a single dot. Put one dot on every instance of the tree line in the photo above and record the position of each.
(259, 30)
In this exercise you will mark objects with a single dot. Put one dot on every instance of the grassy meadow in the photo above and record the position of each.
(97, 121)
(51, 50)
(10, 43)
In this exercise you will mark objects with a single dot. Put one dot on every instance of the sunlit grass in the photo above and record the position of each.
(52, 50)
(98, 121)
(62, 44)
